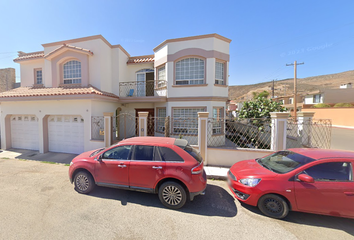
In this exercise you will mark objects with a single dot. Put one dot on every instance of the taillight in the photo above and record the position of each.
(197, 169)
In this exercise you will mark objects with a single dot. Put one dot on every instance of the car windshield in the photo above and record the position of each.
(284, 161)
(97, 151)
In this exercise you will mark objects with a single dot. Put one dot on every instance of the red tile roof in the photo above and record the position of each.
(26, 56)
(141, 59)
(39, 92)
(68, 46)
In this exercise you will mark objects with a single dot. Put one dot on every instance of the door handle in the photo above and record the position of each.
(122, 165)
(349, 193)
(154, 167)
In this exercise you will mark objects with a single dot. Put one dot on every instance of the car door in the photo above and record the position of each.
(113, 167)
(146, 168)
(332, 191)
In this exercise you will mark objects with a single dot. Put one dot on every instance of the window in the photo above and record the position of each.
(72, 72)
(218, 121)
(120, 152)
(161, 115)
(168, 155)
(219, 73)
(331, 171)
(161, 76)
(291, 100)
(145, 153)
(317, 98)
(190, 71)
(38, 76)
(185, 120)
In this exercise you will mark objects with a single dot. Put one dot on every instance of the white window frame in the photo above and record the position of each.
(291, 100)
(72, 73)
(185, 120)
(161, 116)
(219, 73)
(317, 98)
(161, 77)
(38, 79)
(190, 71)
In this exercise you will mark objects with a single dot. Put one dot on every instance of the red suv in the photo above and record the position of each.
(305, 180)
(167, 166)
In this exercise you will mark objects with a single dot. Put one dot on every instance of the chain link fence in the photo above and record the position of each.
(315, 133)
(240, 133)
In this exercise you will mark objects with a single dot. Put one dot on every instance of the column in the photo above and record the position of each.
(304, 120)
(107, 128)
(279, 125)
(203, 135)
(143, 123)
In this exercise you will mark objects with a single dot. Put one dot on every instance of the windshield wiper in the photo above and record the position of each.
(258, 160)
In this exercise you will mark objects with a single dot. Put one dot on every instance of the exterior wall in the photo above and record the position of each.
(131, 70)
(341, 117)
(228, 157)
(27, 72)
(7, 79)
(187, 104)
(342, 95)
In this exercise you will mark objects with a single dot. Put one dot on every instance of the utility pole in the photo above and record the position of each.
(295, 86)
(273, 89)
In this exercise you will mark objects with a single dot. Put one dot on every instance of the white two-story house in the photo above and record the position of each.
(68, 83)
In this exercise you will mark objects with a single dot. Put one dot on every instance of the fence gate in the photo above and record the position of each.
(124, 126)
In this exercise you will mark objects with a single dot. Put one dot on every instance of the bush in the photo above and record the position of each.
(339, 105)
(321, 105)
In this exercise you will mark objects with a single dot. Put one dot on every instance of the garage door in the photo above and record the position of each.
(66, 134)
(24, 132)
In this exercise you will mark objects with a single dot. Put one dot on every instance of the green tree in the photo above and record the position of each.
(263, 94)
(260, 108)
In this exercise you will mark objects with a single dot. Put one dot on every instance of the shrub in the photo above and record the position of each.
(321, 105)
(339, 105)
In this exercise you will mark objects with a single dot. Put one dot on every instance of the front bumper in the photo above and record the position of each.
(248, 195)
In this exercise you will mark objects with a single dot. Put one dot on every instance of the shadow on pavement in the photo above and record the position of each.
(216, 201)
(343, 224)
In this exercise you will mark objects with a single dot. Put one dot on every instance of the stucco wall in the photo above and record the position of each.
(343, 95)
(27, 72)
(340, 116)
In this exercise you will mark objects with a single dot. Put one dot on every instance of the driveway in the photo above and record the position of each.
(38, 202)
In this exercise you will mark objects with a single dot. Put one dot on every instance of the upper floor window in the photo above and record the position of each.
(38, 76)
(161, 76)
(72, 72)
(291, 100)
(219, 73)
(190, 71)
(317, 98)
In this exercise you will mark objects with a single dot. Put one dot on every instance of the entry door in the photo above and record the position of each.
(140, 88)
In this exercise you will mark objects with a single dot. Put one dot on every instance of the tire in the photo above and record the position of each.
(172, 195)
(273, 206)
(84, 182)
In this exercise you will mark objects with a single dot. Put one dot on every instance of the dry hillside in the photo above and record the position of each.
(286, 86)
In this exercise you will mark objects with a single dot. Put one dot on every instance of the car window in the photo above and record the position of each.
(331, 171)
(145, 153)
(169, 155)
(120, 152)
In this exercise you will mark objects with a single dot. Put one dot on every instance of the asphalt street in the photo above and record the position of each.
(38, 202)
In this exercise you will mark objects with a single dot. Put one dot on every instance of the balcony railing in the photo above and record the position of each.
(149, 88)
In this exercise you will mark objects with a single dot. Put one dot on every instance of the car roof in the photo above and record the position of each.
(151, 140)
(317, 153)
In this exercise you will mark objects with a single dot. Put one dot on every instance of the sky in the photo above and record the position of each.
(266, 34)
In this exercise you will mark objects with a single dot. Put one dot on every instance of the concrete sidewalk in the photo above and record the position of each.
(212, 172)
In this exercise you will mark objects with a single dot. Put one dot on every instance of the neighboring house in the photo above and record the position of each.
(330, 96)
(7, 79)
(288, 101)
(68, 83)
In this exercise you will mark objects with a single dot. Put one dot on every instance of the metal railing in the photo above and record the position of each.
(97, 128)
(149, 88)
(314, 133)
(240, 133)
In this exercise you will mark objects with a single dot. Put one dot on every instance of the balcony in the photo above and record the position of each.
(143, 91)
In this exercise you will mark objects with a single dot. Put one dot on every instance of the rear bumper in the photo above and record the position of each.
(193, 194)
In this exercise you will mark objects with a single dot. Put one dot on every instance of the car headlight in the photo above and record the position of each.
(251, 182)
(71, 163)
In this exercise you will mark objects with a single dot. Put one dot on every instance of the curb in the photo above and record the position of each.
(217, 177)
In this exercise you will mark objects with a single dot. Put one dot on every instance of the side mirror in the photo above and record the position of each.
(99, 158)
(305, 178)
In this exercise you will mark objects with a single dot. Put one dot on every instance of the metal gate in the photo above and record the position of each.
(124, 126)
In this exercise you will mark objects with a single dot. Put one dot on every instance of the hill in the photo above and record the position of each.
(286, 86)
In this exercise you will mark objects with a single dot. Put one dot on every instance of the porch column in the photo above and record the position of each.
(143, 123)
(203, 135)
(279, 126)
(304, 120)
(107, 128)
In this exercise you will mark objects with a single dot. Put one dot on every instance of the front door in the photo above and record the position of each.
(150, 120)
(146, 168)
(332, 192)
(113, 168)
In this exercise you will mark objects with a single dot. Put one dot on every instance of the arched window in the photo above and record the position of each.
(190, 71)
(72, 72)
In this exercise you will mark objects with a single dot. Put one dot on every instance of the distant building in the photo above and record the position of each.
(343, 94)
(7, 79)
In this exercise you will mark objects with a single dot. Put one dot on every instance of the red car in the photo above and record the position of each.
(167, 166)
(305, 180)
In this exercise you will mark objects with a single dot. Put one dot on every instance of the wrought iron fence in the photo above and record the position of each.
(241, 133)
(315, 133)
(143, 88)
(185, 128)
(124, 126)
(97, 128)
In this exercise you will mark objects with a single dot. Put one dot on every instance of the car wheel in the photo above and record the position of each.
(273, 206)
(84, 182)
(172, 195)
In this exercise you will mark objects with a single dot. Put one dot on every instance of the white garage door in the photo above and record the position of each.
(24, 132)
(66, 134)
